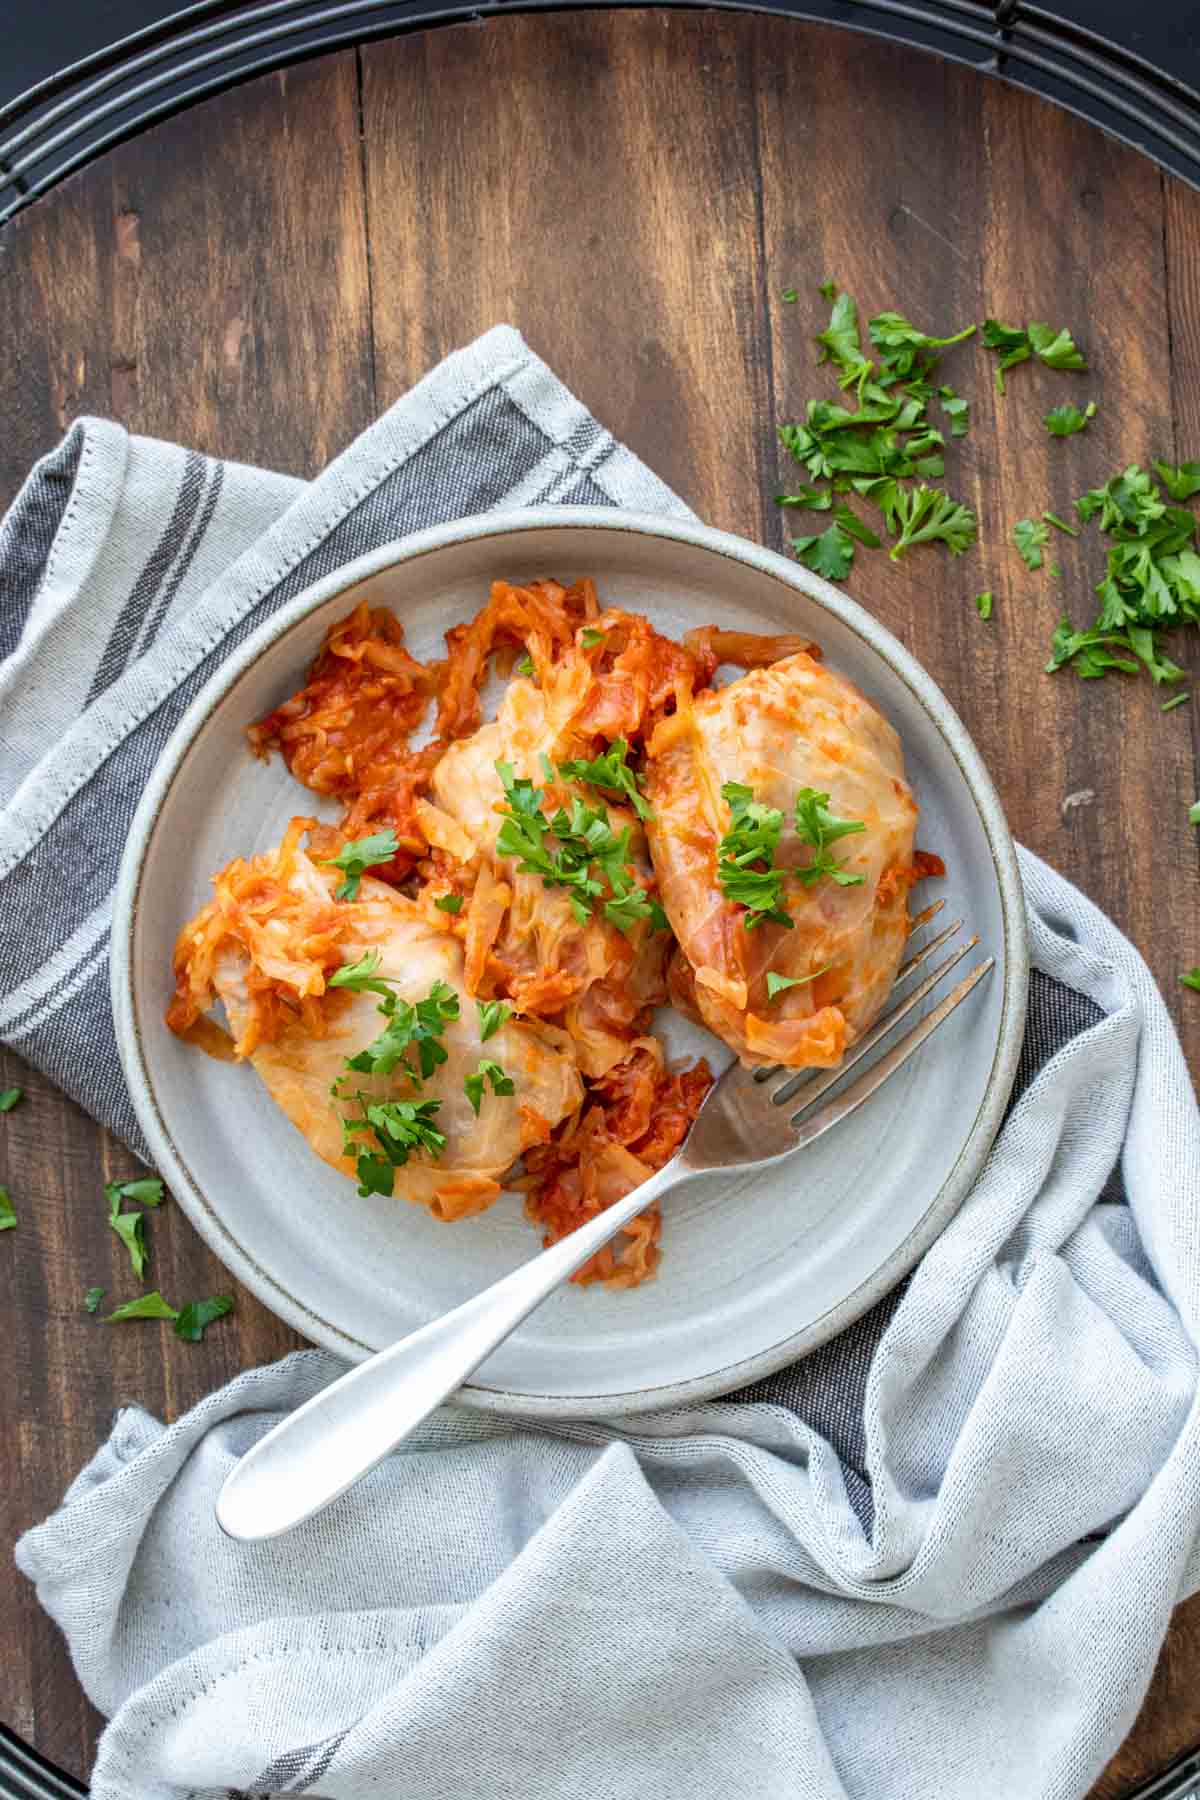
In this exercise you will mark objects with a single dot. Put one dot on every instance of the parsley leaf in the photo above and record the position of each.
(147, 1306)
(1093, 653)
(611, 772)
(92, 1299)
(817, 826)
(983, 604)
(827, 289)
(8, 1217)
(359, 855)
(131, 1229)
(1029, 535)
(1194, 809)
(900, 341)
(492, 1015)
(393, 1129)
(840, 341)
(407, 1026)
(502, 1084)
(1061, 524)
(858, 528)
(360, 976)
(1061, 421)
(956, 409)
(449, 903)
(830, 554)
(1181, 481)
(752, 840)
(9, 1098)
(1173, 702)
(197, 1314)
(790, 295)
(147, 1191)
(1011, 345)
(585, 841)
(525, 667)
(1057, 349)
(926, 515)
(777, 983)
(1191, 980)
(589, 637)
(812, 499)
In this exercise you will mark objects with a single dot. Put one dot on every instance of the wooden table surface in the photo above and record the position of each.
(262, 275)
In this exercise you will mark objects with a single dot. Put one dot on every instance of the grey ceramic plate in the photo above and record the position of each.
(755, 1271)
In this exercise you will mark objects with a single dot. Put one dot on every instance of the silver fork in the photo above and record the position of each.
(750, 1119)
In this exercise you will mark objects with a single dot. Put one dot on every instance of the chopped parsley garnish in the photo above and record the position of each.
(359, 855)
(899, 341)
(1030, 535)
(611, 772)
(131, 1229)
(384, 1135)
(827, 289)
(1013, 345)
(9, 1098)
(418, 1027)
(1173, 702)
(361, 976)
(983, 604)
(8, 1217)
(790, 295)
(752, 839)
(1061, 524)
(1054, 572)
(92, 1299)
(147, 1190)
(566, 848)
(146, 1306)
(492, 1015)
(1181, 481)
(817, 826)
(926, 515)
(777, 983)
(197, 1314)
(590, 638)
(449, 903)
(1062, 421)
(501, 1083)
(1191, 980)
(812, 499)
(525, 667)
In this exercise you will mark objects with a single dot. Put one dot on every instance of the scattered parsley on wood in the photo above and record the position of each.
(92, 1299)
(1194, 809)
(830, 554)
(146, 1306)
(790, 295)
(361, 854)
(1014, 344)
(812, 499)
(1063, 421)
(130, 1227)
(1180, 480)
(8, 1217)
(1191, 980)
(983, 604)
(1061, 524)
(1173, 702)
(926, 515)
(194, 1318)
(827, 289)
(145, 1190)
(449, 903)
(473, 1085)
(956, 409)
(9, 1098)
(1030, 535)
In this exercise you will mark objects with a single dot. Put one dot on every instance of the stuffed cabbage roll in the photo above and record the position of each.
(724, 775)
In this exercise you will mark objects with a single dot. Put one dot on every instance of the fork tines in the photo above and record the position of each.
(807, 1088)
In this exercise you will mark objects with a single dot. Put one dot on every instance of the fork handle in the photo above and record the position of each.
(327, 1444)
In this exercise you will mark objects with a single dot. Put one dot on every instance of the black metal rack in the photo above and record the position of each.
(60, 122)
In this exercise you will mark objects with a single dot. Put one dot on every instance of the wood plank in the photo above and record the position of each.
(268, 361)
(590, 178)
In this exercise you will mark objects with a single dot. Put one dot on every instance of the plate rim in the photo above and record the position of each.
(976, 1146)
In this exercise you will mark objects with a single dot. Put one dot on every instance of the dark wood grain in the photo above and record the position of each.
(634, 191)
